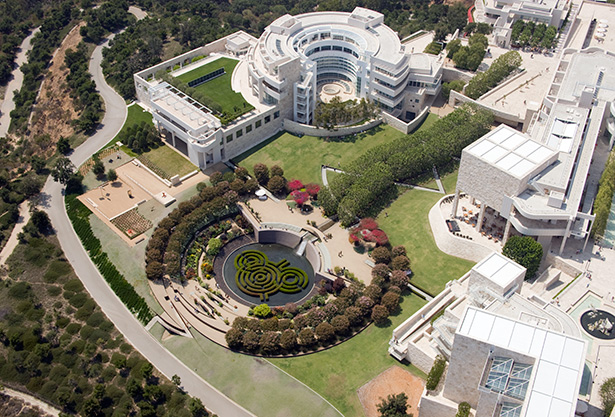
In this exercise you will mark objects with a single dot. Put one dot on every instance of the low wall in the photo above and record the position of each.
(283, 237)
(402, 126)
(302, 129)
(419, 358)
(562, 265)
(452, 74)
(512, 120)
(313, 256)
(430, 406)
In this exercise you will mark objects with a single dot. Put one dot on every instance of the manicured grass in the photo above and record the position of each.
(301, 157)
(251, 382)
(407, 224)
(170, 161)
(219, 89)
(135, 115)
(337, 373)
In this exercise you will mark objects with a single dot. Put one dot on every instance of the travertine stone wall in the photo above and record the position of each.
(419, 358)
(303, 129)
(431, 407)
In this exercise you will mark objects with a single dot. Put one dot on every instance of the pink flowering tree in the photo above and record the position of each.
(368, 223)
(300, 197)
(377, 236)
(295, 185)
(312, 189)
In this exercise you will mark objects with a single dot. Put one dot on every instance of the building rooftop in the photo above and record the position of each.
(511, 151)
(500, 269)
(558, 366)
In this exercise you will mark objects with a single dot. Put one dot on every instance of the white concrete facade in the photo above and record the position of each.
(279, 75)
(538, 181)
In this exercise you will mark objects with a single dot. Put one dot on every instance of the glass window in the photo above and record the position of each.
(248, 128)
(229, 138)
(267, 119)
(258, 124)
(239, 133)
(276, 115)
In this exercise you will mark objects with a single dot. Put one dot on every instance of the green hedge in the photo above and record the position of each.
(463, 410)
(500, 69)
(604, 198)
(79, 214)
(433, 379)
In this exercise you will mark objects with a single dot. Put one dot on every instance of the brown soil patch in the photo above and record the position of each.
(54, 111)
(394, 380)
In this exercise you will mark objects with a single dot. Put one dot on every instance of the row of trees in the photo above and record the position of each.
(468, 57)
(604, 197)
(85, 97)
(173, 234)
(319, 323)
(337, 112)
(140, 137)
(501, 68)
(532, 34)
(368, 182)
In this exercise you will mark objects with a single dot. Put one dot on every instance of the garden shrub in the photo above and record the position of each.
(307, 337)
(391, 301)
(400, 263)
(213, 246)
(261, 172)
(380, 314)
(381, 255)
(73, 328)
(54, 290)
(374, 292)
(251, 341)
(277, 185)
(607, 395)
(433, 378)
(269, 342)
(78, 300)
(463, 410)
(604, 197)
(288, 340)
(325, 332)
(234, 337)
(73, 285)
(21, 290)
(525, 251)
(262, 311)
(499, 69)
(341, 324)
(62, 322)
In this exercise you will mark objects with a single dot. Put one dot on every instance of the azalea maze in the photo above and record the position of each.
(259, 277)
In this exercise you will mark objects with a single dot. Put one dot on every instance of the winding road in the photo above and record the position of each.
(111, 305)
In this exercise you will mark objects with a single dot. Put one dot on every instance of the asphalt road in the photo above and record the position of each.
(111, 305)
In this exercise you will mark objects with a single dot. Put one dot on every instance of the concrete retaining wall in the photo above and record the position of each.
(302, 129)
(512, 120)
(430, 406)
(402, 126)
(283, 237)
(562, 265)
(452, 74)
(313, 256)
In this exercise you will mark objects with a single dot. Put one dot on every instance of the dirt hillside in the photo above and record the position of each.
(54, 110)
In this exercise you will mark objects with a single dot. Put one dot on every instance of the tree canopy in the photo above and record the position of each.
(395, 405)
(525, 251)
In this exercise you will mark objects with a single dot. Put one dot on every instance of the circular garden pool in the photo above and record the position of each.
(268, 273)
(599, 323)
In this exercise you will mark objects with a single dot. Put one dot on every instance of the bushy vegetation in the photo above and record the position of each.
(435, 373)
(607, 395)
(141, 137)
(395, 405)
(604, 197)
(526, 252)
(85, 97)
(501, 68)
(79, 216)
(456, 85)
(336, 112)
(433, 48)
(468, 57)
(368, 182)
(109, 17)
(57, 345)
(463, 410)
(322, 321)
(532, 34)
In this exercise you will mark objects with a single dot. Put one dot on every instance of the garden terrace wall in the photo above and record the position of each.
(302, 129)
(313, 256)
(402, 126)
(283, 237)
(500, 116)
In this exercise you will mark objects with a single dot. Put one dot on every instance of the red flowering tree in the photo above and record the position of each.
(377, 236)
(295, 185)
(312, 189)
(300, 197)
(368, 223)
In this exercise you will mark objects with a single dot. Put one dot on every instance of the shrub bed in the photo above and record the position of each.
(79, 214)
(433, 378)
(501, 68)
(604, 197)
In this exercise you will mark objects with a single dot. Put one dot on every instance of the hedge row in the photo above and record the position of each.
(501, 68)
(433, 378)
(78, 214)
(604, 198)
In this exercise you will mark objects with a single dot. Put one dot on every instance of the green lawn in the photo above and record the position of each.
(170, 161)
(408, 224)
(219, 89)
(337, 373)
(301, 157)
(135, 115)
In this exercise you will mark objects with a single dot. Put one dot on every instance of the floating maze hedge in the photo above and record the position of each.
(78, 214)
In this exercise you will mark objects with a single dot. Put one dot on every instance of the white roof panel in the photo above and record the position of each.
(546, 375)
(508, 161)
(560, 408)
(554, 346)
(495, 154)
(573, 354)
(538, 342)
(540, 154)
(538, 405)
(481, 326)
(522, 168)
(500, 135)
(481, 148)
(527, 148)
(505, 330)
(522, 338)
(513, 141)
(566, 145)
(565, 384)
(499, 269)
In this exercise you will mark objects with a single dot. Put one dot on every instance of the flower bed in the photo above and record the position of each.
(132, 223)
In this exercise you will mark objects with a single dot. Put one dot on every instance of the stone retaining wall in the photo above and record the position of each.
(302, 129)
(402, 126)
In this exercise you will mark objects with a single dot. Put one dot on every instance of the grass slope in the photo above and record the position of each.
(407, 224)
(219, 89)
(170, 161)
(337, 373)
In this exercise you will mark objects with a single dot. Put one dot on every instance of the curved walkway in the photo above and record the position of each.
(15, 84)
(111, 305)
